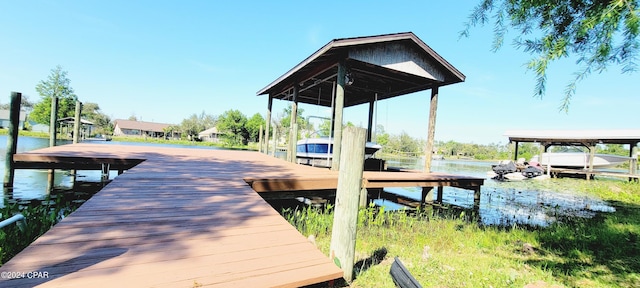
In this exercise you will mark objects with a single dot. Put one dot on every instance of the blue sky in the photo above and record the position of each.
(163, 61)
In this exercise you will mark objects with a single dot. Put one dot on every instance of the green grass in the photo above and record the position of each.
(39, 219)
(4, 131)
(448, 248)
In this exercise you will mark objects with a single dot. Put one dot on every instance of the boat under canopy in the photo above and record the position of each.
(579, 160)
(319, 151)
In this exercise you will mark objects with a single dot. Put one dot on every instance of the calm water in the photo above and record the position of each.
(32, 184)
(500, 203)
(504, 203)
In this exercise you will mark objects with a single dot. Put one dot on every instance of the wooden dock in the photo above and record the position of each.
(185, 218)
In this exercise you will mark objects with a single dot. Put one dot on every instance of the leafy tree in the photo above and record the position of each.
(56, 85)
(325, 128)
(253, 127)
(527, 150)
(233, 122)
(599, 32)
(616, 149)
(285, 121)
(383, 139)
(101, 122)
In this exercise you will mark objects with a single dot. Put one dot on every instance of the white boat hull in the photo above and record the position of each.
(316, 152)
(579, 160)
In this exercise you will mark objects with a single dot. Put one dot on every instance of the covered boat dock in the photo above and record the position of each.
(585, 138)
(362, 70)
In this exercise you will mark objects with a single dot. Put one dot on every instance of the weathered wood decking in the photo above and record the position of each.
(184, 218)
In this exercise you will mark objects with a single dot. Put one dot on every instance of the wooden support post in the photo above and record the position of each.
(439, 194)
(275, 141)
(370, 127)
(476, 197)
(51, 177)
(53, 122)
(633, 163)
(339, 107)
(543, 148)
(345, 220)
(77, 122)
(364, 197)
(293, 131)
(268, 123)
(106, 168)
(427, 195)
(515, 151)
(12, 138)
(260, 139)
(433, 108)
(592, 154)
(292, 142)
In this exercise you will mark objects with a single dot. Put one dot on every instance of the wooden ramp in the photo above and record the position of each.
(187, 218)
(181, 218)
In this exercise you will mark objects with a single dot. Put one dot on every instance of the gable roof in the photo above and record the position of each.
(140, 125)
(72, 120)
(209, 131)
(387, 65)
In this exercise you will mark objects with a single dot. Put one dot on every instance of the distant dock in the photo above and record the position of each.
(184, 217)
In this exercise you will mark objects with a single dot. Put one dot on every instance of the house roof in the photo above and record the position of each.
(559, 137)
(384, 65)
(72, 120)
(140, 125)
(209, 131)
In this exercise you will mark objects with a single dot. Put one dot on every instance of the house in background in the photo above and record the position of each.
(211, 135)
(4, 119)
(141, 129)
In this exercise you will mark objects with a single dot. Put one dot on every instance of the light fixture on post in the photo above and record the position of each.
(348, 79)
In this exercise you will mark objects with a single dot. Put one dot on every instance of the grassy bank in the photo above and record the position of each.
(26, 133)
(448, 248)
(250, 146)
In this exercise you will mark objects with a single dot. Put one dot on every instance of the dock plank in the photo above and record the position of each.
(180, 216)
(187, 217)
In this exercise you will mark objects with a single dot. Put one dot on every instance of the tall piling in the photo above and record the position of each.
(12, 138)
(345, 220)
(53, 121)
(77, 122)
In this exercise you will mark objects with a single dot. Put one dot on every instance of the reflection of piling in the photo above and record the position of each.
(53, 131)
(343, 237)
(12, 138)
